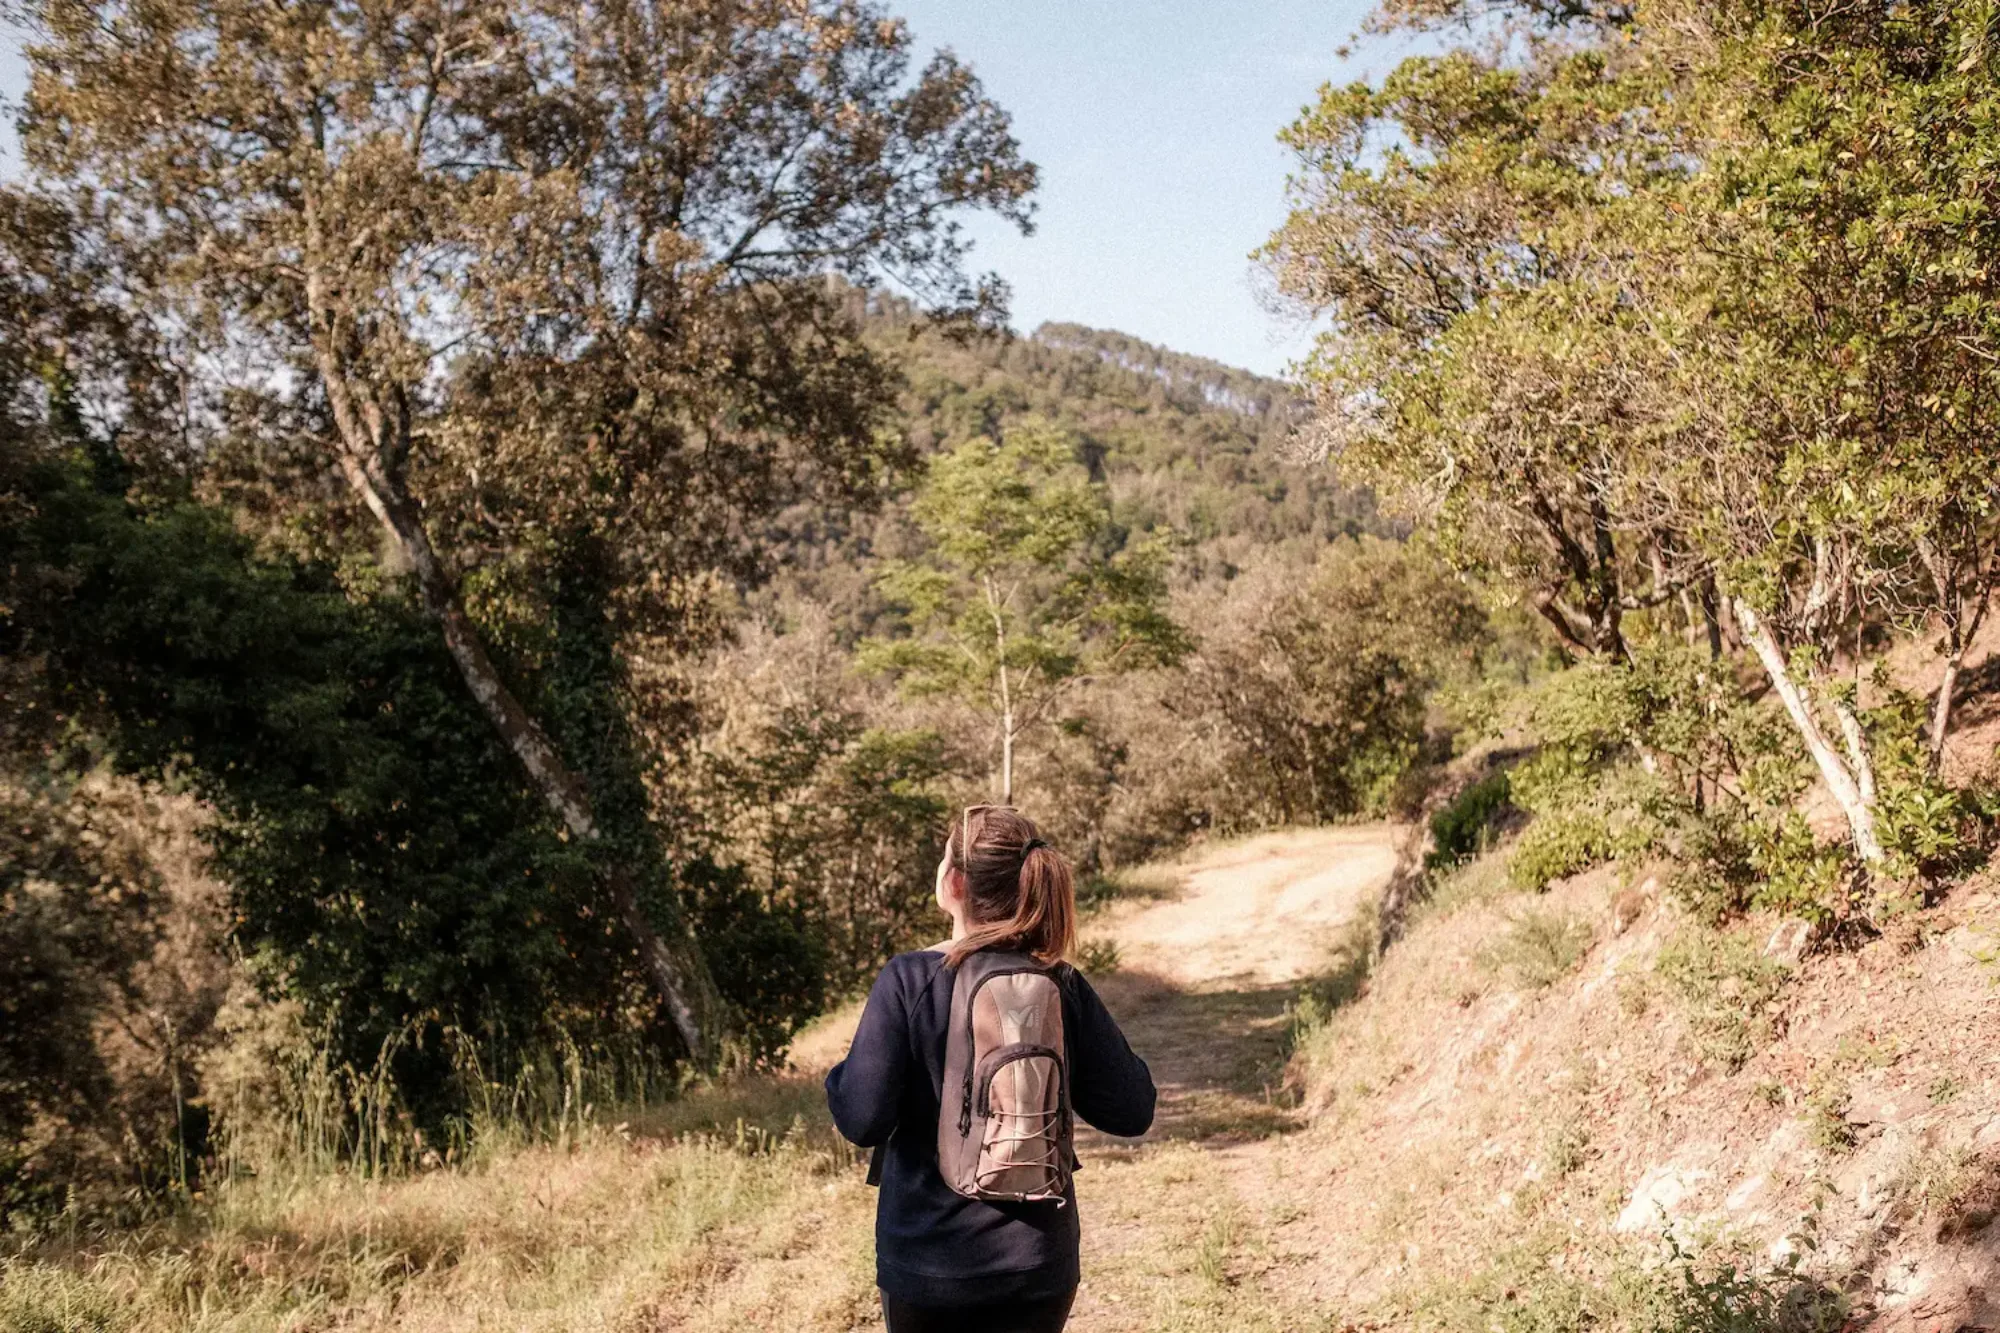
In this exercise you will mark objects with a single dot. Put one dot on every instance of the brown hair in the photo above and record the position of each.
(1019, 891)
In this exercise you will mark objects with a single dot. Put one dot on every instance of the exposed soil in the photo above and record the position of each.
(1209, 972)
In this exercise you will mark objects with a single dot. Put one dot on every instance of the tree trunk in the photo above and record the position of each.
(678, 971)
(1941, 711)
(1711, 615)
(1853, 789)
(1007, 757)
(1005, 685)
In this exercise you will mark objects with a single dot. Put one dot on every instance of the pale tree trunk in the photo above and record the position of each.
(1941, 710)
(1960, 628)
(1005, 686)
(368, 439)
(1853, 787)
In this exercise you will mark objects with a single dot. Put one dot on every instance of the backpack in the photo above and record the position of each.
(1005, 1127)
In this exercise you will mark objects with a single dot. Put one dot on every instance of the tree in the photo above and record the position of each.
(1323, 685)
(1022, 595)
(1712, 294)
(1479, 359)
(523, 276)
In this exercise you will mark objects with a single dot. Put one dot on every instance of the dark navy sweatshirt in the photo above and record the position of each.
(935, 1247)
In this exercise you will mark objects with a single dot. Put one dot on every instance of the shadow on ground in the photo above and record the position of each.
(1217, 1053)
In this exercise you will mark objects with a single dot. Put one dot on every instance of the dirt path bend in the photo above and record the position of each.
(1209, 967)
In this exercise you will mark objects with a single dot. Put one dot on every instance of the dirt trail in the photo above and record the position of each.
(1208, 970)
(1188, 1227)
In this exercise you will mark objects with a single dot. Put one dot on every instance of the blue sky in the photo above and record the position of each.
(1155, 127)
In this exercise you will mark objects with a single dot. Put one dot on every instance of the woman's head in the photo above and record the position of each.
(1010, 888)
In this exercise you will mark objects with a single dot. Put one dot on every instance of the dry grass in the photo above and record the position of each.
(1472, 1130)
(751, 1216)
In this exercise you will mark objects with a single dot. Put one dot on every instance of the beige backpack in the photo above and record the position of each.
(1005, 1127)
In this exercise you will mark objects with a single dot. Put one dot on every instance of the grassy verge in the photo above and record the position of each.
(731, 1208)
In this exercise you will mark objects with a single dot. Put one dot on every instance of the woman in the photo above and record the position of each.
(944, 1260)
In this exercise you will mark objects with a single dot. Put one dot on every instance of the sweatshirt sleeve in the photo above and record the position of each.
(865, 1090)
(1113, 1088)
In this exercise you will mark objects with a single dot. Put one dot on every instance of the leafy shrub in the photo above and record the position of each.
(1098, 957)
(1459, 829)
(1796, 873)
(1692, 1296)
(1717, 873)
(1557, 845)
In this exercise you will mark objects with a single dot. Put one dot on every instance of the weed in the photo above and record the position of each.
(1098, 957)
(1546, 1285)
(1539, 947)
(1944, 1088)
(1332, 990)
(1826, 1112)
(1937, 1179)
(1769, 1091)
(1567, 1149)
(1212, 1259)
(38, 1298)
(1728, 1297)
(1476, 881)
(1146, 883)
(1725, 986)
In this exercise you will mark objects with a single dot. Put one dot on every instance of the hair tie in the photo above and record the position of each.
(1030, 846)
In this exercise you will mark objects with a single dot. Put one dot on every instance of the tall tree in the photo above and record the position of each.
(1712, 292)
(1476, 369)
(1022, 596)
(523, 274)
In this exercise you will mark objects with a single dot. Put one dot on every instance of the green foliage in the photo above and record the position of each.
(1459, 829)
(1098, 957)
(1683, 326)
(1022, 595)
(1342, 982)
(389, 865)
(1547, 1286)
(1556, 846)
(832, 819)
(1729, 1296)
(1318, 690)
(1725, 987)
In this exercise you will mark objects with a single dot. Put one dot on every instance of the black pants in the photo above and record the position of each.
(1047, 1316)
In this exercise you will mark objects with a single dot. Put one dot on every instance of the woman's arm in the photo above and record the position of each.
(865, 1090)
(1113, 1088)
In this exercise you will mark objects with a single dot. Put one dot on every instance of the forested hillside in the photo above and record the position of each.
(1199, 453)
(393, 727)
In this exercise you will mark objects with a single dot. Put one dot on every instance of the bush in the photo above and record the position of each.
(1556, 846)
(1459, 829)
(1731, 1297)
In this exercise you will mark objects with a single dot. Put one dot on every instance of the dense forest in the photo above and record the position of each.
(519, 523)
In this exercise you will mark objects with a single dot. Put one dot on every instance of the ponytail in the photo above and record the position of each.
(1020, 892)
